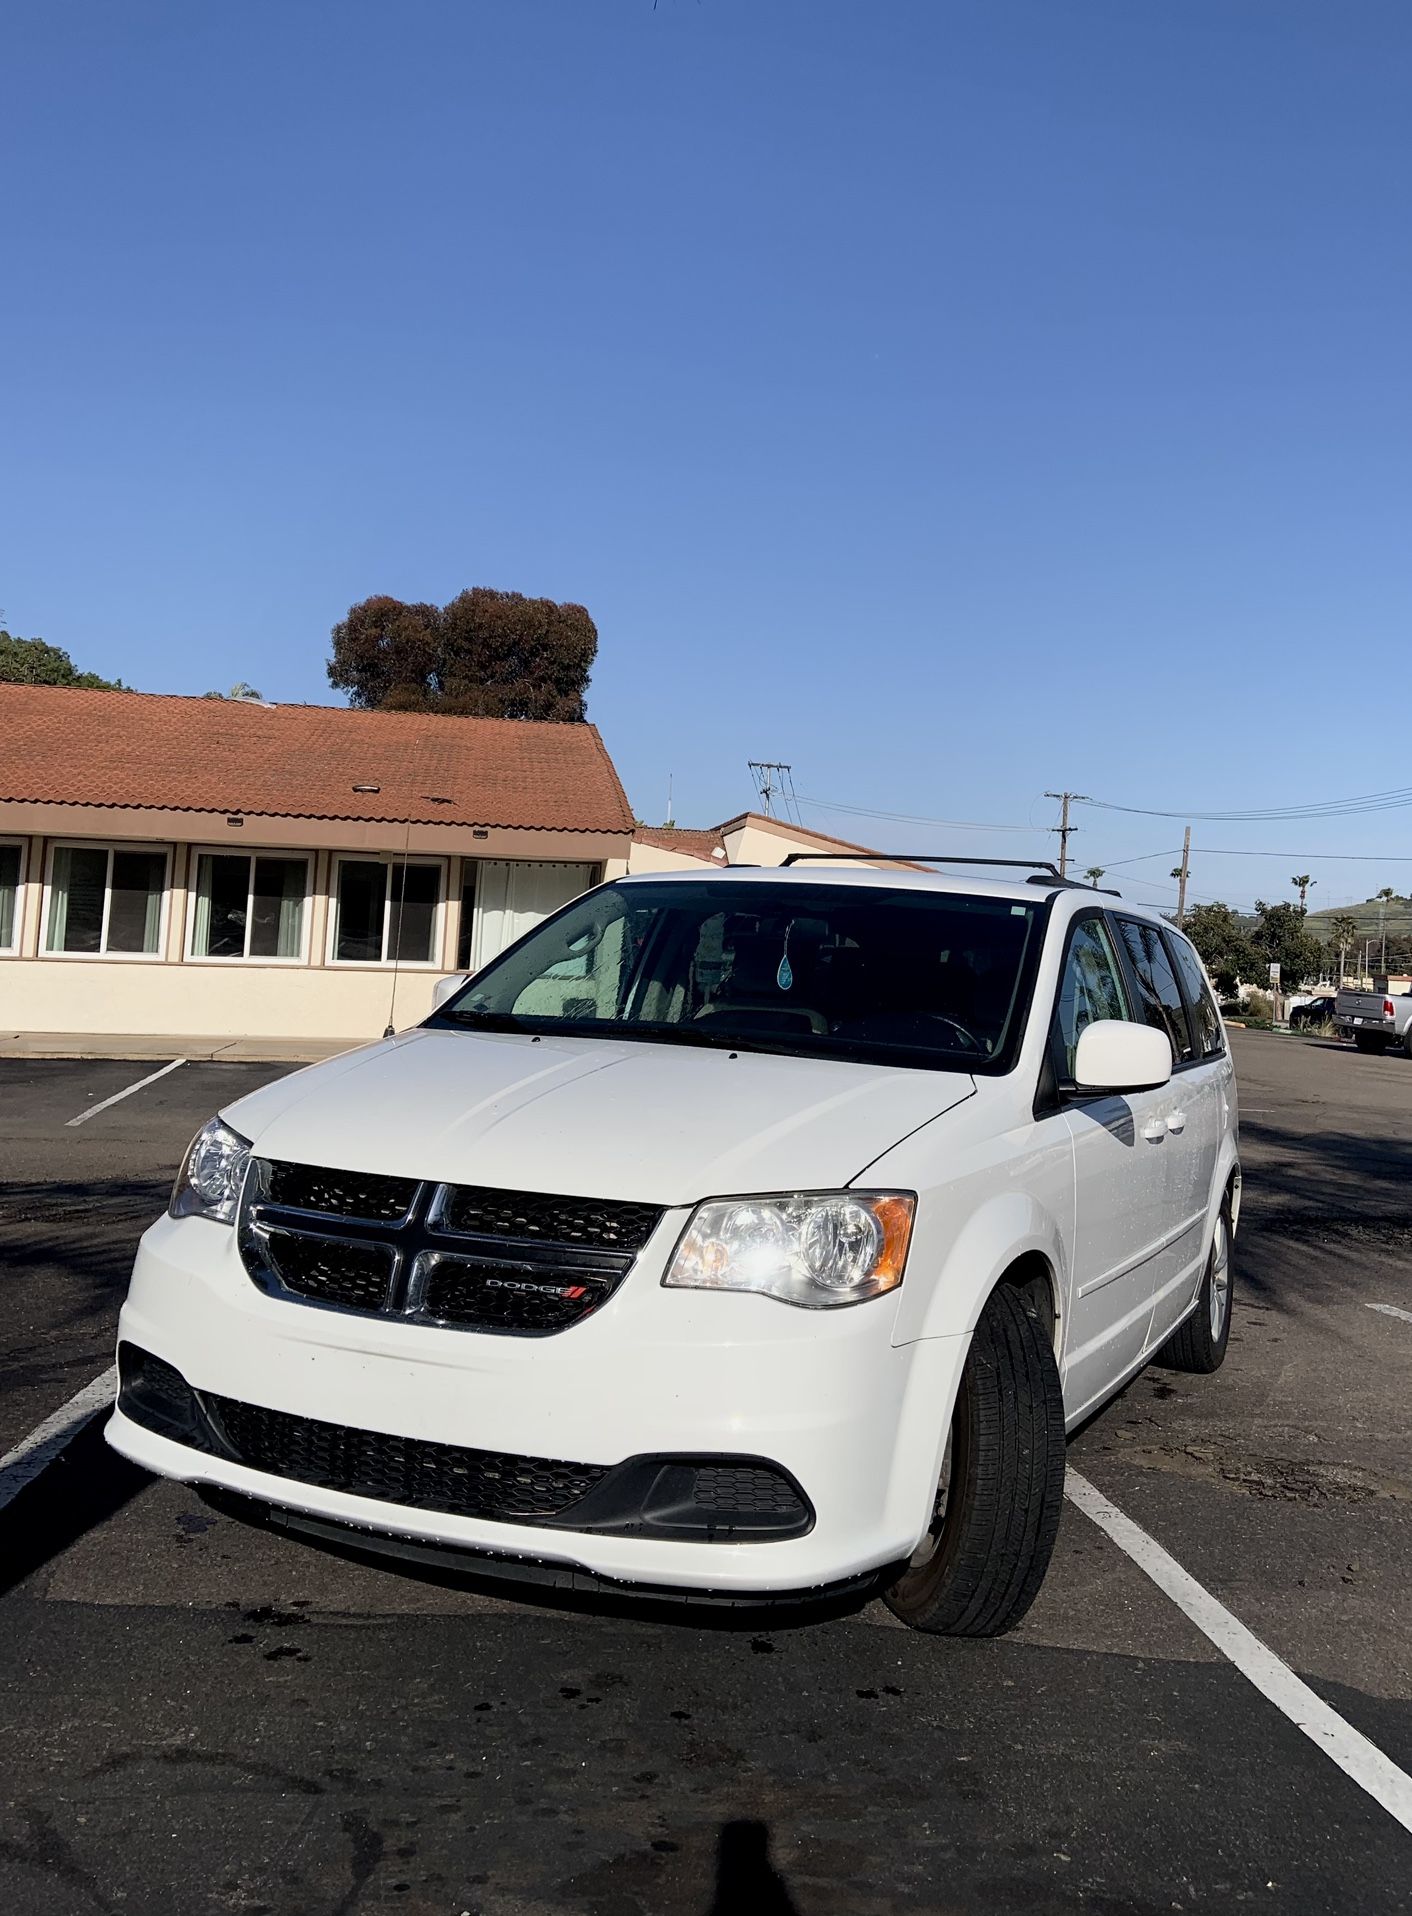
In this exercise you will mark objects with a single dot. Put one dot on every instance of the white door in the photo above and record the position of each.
(515, 895)
(1196, 1124)
(1121, 1207)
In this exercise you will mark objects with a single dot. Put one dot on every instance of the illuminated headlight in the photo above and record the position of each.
(213, 1170)
(815, 1250)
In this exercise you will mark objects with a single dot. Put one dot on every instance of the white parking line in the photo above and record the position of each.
(1359, 1759)
(23, 1464)
(1391, 1310)
(118, 1096)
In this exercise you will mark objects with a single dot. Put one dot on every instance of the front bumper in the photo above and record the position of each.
(855, 1422)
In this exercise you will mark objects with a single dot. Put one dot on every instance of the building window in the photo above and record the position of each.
(249, 905)
(386, 913)
(515, 895)
(11, 877)
(105, 901)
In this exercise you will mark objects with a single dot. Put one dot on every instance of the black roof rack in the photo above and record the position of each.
(1042, 870)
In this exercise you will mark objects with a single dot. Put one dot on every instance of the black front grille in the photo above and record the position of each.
(472, 1292)
(493, 1484)
(365, 1194)
(535, 1217)
(458, 1255)
(333, 1271)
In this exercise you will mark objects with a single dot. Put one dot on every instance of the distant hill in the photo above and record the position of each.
(1398, 919)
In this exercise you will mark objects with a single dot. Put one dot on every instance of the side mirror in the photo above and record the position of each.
(1113, 1055)
(445, 988)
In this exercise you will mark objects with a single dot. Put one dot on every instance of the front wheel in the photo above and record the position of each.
(980, 1565)
(1200, 1343)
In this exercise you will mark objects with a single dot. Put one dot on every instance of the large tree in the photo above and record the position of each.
(33, 662)
(1282, 936)
(1226, 946)
(486, 655)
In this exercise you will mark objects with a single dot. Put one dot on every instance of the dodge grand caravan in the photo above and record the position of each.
(746, 1235)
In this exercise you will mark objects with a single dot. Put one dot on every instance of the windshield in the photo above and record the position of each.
(932, 979)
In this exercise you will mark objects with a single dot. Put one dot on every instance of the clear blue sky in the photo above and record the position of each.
(958, 400)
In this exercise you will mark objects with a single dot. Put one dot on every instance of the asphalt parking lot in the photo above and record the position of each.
(201, 1716)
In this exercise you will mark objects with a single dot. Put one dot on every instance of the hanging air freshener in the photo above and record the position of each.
(784, 977)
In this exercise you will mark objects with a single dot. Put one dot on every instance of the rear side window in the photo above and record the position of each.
(1159, 995)
(1091, 988)
(1203, 1008)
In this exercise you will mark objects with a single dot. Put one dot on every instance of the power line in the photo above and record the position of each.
(910, 818)
(1394, 799)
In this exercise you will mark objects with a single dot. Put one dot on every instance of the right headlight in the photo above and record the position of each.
(815, 1249)
(211, 1175)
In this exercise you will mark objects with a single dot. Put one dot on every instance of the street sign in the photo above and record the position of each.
(1274, 974)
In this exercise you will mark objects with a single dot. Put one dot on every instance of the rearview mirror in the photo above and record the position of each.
(1113, 1055)
(445, 988)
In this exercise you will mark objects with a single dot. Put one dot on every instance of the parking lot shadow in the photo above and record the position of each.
(84, 1486)
(746, 1880)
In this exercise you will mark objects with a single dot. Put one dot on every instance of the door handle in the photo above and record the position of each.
(1176, 1120)
(1155, 1130)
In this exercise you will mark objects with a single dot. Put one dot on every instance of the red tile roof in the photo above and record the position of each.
(682, 838)
(59, 745)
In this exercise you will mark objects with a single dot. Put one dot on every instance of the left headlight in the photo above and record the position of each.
(212, 1172)
(814, 1249)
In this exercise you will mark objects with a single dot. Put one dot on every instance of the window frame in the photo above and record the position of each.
(191, 956)
(389, 861)
(111, 846)
(1056, 1092)
(1173, 937)
(22, 847)
(1135, 993)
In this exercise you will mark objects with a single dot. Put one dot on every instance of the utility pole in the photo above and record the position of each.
(1063, 828)
(770, 777)
(1181, 882)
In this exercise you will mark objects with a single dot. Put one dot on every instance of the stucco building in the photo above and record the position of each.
(209, 867)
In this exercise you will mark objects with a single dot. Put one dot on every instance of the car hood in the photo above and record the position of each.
(592, 1117)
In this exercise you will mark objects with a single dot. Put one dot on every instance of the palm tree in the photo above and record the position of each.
(1345, 930)
(1301, 885)
(1093, 874)
(1384, 898)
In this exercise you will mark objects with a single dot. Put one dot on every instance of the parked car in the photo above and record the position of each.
(749, 1234)
(1375, 1019)
(1308, 1014)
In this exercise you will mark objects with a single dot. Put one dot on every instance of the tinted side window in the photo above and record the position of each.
(1091, 988)
(1159, 994)
(1208, 1023)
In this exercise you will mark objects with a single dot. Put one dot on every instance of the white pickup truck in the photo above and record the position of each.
(1375, 1019)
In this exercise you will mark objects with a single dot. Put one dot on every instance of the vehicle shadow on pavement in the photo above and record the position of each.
(84, 1486)
(510, 1583)
(745, 1877)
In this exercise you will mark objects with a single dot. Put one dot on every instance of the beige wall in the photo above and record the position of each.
(217, 1000)
(652, 858)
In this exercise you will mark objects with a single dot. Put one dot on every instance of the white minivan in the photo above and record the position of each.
(751, 1235)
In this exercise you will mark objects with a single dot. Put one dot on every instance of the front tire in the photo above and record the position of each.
(979, 1567)
(1200, 1343)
